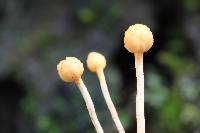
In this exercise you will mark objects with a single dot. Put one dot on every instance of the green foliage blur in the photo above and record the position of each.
(35, 35)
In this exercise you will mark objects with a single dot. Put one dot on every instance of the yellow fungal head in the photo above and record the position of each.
(70, 69)
(95, 61)
(138, 38)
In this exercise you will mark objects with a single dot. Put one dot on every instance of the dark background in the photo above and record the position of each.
(36, 34)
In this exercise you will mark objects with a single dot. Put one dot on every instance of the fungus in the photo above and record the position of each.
(70, 70)
(139, 39)
(96, 62)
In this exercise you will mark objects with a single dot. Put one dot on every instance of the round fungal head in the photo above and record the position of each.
(95, 61)
(138, 38)
(70, 69)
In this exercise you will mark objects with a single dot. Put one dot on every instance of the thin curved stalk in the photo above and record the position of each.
(90, 106)
(108, 100)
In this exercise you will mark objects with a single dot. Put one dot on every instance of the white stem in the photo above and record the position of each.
(90, 106)
(140, 93)
(108, 100)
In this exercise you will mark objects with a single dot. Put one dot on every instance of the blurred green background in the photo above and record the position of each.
(36, 34)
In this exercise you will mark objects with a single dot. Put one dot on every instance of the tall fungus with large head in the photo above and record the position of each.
(139, 39)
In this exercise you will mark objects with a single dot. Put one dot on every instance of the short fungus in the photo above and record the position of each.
(96, 62)
(70, 70)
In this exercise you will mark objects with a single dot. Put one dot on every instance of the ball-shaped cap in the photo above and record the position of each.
(95, 61)
(70, 69)
(138, 38)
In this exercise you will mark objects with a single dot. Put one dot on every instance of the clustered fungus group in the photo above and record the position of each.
(137, 39)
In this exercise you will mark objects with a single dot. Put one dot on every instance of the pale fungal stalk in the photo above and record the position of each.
(96, 63)
(71, 70)
(140, 93)
(90, 105)
(139, 39)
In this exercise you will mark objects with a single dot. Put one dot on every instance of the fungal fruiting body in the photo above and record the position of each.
(139, 39)
(96, 62)
(71, 70)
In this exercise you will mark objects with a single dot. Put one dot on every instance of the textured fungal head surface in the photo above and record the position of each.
(138, 38)
(70, 69)
(95, 61)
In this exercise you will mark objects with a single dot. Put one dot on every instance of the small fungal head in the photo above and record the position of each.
(70, 69)
(95, 61)
(138, 38)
